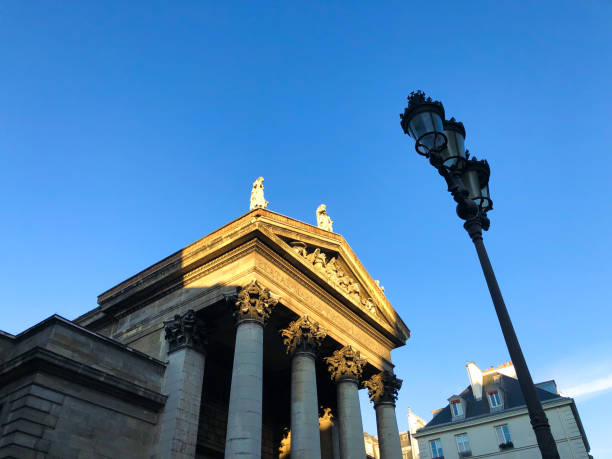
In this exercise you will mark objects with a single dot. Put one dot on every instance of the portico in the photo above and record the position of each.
(289, 326)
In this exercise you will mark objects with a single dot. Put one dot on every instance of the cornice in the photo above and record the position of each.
(110, 313)
(61, 321)
(194, 250)
(40, 359)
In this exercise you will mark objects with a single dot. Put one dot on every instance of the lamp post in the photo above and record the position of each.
(442, 141)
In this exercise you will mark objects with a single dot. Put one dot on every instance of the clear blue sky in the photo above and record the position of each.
(130, 129)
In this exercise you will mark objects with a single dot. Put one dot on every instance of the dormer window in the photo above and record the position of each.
(495, 400)
(456, 408)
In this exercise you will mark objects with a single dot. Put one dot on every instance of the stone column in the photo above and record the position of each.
(183, 384)
(243, 436)
(302, 339)
(382, 389)
(345, 367)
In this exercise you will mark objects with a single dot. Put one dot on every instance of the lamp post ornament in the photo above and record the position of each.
(442, 141)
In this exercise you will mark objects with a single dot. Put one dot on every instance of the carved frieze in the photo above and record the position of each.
(336, 276)
(303, 335)
(187, 330)
(345, 363)
(383, 387)
(254, 303)
(299, 247)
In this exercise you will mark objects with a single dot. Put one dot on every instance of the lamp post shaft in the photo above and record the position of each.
(539, 421)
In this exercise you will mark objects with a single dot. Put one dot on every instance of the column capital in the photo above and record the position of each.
(187, 330)
(303, 335)
(345, 363)
(254, 304)
(383, 388)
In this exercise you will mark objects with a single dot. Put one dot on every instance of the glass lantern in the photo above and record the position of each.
(476, 180)
(422, 120)
(454, 155)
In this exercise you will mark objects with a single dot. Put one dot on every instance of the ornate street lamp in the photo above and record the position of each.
(468, 181)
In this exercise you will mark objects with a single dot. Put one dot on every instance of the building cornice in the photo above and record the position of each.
(199, 248)
(61, 321)
(38, 359)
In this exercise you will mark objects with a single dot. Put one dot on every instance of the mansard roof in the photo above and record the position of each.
(513, 399)
(323, 257)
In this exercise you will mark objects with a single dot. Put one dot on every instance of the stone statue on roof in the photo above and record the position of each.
(257, 195)
(323, 220)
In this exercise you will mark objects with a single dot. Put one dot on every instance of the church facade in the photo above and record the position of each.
(250, 342)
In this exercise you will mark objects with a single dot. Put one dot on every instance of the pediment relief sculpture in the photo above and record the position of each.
(335, 275)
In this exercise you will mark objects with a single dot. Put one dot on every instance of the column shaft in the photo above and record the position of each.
(349, 418)
(243, 436)
(179, 421)
(335, 441)
(388, 432)
(305, 437)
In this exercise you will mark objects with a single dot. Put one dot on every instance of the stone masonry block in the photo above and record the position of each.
(20, 439)
(23, 391)
(33, 415)
(22, 425)
(47, 394)
(19, 452)
(33, 402)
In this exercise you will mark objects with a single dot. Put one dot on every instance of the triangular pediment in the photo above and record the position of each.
(329, 257)
(321, 257)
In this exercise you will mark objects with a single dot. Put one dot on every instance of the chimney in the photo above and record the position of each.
(475, 375)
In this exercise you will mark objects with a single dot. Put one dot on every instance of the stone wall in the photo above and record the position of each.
(66, 392)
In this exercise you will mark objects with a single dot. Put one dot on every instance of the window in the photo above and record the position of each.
(436, 448)
(457, 408)
(503, 436)
(463, 445)
(494, 399)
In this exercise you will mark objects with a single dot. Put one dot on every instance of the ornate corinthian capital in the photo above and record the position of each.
(383, 387)
(345, 363)
(254, 303)
(187, 330)
(303, 335)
